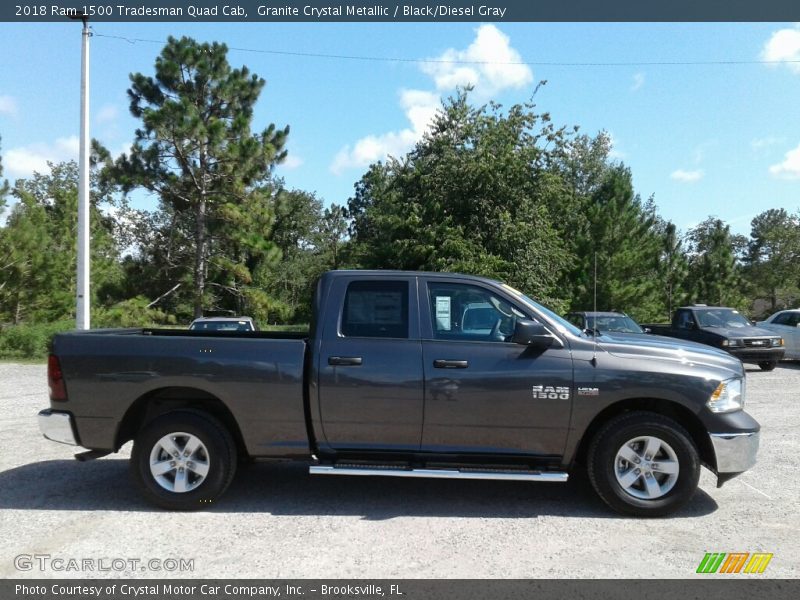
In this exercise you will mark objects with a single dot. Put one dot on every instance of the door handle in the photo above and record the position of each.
(440, 363)
(345, 361)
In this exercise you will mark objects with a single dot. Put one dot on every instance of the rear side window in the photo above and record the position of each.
(376, 309)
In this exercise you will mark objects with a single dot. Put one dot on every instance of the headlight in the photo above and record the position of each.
(777, 342)
(728, 397)
(730, 343)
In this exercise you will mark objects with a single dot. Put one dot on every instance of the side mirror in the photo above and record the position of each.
(531, 333)
(648, 330)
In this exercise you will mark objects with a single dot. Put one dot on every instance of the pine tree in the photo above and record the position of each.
(621, 233)
(714, 270)
(674, 269)
(773, 256)
(195, 148)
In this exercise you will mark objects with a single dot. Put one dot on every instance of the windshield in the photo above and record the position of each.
(562, 324)
(721, 317)
(221, 326)
(619, 324)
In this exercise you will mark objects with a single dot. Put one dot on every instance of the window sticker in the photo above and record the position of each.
(443, 313)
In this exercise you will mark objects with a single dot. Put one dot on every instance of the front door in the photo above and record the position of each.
(484, 394)
(370, 367)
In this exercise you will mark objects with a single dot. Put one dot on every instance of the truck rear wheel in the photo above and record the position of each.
(183, 460)
(643, 464)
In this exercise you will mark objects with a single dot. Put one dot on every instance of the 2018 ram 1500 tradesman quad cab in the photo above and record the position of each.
(391, 381)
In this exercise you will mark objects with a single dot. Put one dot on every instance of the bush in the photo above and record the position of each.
(30, 341)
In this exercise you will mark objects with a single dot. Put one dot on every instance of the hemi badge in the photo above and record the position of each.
(588, 391)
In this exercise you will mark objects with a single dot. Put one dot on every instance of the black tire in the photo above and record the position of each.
(219, 452)
(768, 365)
(614, 435)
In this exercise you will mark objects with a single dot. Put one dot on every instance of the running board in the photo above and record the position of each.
(440, 473)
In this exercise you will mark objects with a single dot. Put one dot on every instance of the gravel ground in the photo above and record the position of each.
(278, 521)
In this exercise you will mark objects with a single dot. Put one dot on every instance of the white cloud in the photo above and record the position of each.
(687, 176)
(420, 108)
(790, 167)
(292, 162)
(107, 114)
(489, 64)
(765, 142)
(784, 45)
(638, 81)
(22, 161)
(8, 105)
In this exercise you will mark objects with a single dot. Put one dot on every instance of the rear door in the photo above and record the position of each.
(370, 366)
(484, 394)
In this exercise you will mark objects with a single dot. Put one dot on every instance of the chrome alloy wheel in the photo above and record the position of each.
(179, 462)
(646, 467)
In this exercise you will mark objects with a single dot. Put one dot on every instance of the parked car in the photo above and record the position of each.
(392, 381)
(605, 321)
(786, 323)
(223, 324)
(725, 328)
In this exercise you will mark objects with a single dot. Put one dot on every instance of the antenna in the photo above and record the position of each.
(594, 324)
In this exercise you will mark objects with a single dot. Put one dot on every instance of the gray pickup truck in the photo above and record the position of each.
(407, 374)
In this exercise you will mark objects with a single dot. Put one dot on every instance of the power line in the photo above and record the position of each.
(655, 63)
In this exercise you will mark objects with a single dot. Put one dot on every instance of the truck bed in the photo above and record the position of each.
(256, 376)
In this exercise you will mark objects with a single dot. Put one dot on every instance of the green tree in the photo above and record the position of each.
(772, 261)
(195, 149)
(38, 249)
(467, 198)
(621, 232)
(714, 271)
(3, 183)
(673, 269)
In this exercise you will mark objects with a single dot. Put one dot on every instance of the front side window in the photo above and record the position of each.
(376, 309)
(470, 313)
(782, 319)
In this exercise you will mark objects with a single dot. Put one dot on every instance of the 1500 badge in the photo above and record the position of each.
(549, 392)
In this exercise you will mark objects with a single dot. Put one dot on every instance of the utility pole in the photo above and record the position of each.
(82, 315)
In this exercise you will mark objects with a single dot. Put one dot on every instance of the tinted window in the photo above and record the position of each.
(721, 317)
(470, 313)
(222, 326)
(782, 319)
(376, 309)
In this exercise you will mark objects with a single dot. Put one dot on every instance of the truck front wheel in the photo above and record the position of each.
(183, 460)
(643, 464)
(768, 365)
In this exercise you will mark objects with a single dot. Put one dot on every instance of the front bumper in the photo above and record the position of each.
(57, 427)
(735, 453)
(757, 355)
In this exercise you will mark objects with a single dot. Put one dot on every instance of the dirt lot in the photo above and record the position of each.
(277, 521)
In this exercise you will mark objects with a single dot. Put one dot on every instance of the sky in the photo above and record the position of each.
(702, 139)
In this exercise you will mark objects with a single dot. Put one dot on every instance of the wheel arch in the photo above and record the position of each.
(169, 399)
(668, 408)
